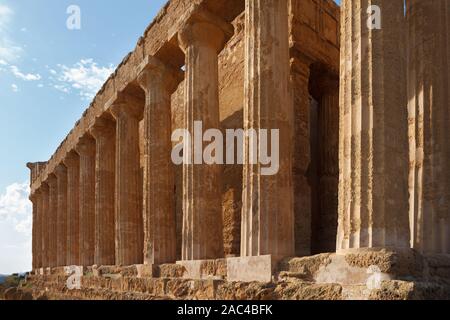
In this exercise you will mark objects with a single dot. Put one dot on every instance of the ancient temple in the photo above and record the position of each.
(363, 150)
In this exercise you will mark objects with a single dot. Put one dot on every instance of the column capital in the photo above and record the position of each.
(103, 127)
(71, 159)
(44, 187)
(52, 180)
(60, 170)
(153, 72)
(205, 28)
(33, 196)
(86, 145)
(126, 104)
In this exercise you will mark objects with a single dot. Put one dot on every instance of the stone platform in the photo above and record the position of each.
(362, 275)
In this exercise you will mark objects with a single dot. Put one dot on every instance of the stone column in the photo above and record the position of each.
(45, 224)
(61, 226)
(37, 230)
(302, 156)
(373, 190)
(52, 220)
(328, 164)
(86, 150)
(158, 81)
(104, 132)
(268, 204)
(35, 235)
(202, 39)
(72, 162)
(128, 212)
(428, 94)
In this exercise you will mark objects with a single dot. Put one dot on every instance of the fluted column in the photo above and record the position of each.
(35, 234)
(302, 156)
(158, 81)
(268, 204)
(52, 220)
(72, 162)
(428, 94)
(86, 150)
(39, 228)
(61, 225)
(104, 132)
(328, 164)
(128, 211)
(373, 190)
(45, 224)
(202, 40)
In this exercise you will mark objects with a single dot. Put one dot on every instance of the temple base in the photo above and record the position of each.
(357, 274)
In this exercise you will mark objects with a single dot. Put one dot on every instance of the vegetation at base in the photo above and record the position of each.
(11, 281)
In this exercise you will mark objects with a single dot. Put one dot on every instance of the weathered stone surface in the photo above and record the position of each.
(86, 150)
(127, 110)
(72, 162)
(52, 216)
(428, 101)
(201, 39)
(124, 283)
(61, 224)
(373, 147)
(104, 133)
(267, 200)
(158, 81)
(123, 202)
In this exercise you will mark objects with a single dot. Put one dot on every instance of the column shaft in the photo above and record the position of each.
(428, 93)
(72, 163)
(38, 228)
(328, 168)
(86, 150)
(202, 204)
(158, 82)
(34, 234)
(61, 227)
(373, 191)
(302, 157)
(268, 204)
(128, 211)
(52, 221)
(45, 225)
(105, 136)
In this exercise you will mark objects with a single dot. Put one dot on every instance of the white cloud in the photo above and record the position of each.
(85, 77)
(14, 88)
(15, 229)
(5, 16)
(61, 88)
(16, 207)
(9, 51)
(26, 77)
(3, 62)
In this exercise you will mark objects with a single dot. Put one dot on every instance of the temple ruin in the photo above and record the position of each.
(363, 180)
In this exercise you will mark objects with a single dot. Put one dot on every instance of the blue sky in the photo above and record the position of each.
(48, 75)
